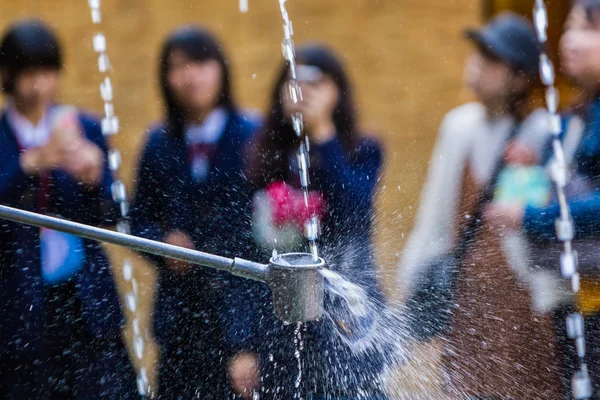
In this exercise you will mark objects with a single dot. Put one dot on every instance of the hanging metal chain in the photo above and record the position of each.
(580, 384)
(294, 91)
(110, 127)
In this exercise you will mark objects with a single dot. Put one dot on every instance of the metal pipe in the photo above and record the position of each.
(295, 279)
(237, 266)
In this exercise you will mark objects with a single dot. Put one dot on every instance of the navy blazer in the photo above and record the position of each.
(539, 223)
(348, 181)
(22, 288)
(199, 305)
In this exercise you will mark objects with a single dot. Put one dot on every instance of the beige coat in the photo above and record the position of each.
(501, 344)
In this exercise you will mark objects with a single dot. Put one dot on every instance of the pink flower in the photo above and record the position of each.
(288, 206)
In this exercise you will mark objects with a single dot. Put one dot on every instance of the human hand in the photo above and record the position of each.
(180, 239)
(508, 216)
(520, 154)
(244, 374)
(86, 164)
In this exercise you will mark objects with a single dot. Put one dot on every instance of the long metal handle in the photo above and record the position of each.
(240, 267)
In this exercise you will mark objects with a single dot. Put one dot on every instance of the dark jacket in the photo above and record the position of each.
(198, 305)
(21, 285)
(585, 207)
(347, 180)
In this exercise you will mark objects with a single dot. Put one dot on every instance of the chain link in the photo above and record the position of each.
(294, 91)
(110, 127)
(580, 383)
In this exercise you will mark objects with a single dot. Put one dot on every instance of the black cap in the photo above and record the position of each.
(510, 38)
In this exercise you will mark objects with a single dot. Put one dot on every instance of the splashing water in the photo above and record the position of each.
(298, 344)
(364, 324)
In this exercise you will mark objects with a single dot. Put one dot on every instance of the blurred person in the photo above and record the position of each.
(580, 61)
(498, 339)
(61, 319)
(345, 165)
(191, 192)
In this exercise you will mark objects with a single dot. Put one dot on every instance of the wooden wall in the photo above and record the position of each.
(406, 58)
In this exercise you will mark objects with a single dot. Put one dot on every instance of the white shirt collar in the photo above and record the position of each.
(29, 135)
(210, 130)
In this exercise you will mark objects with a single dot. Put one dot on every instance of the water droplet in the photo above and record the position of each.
(96, 16)
(142, 382)
(123, 226)
(138, 345)
(581, 384)
(99, 43)
(103, 63)
(136, 326)
(124, 206)
(118, 191)
(552, 99)
(294, 91)
(127, 270)
(546, 70)
(311, 228)
(287, 47)
(298, 123)
(110, 126)
(303, 166)
(134, 286)
(288, 29)
(131, 301)
(540, 20)
(106, 91)
(114, 160)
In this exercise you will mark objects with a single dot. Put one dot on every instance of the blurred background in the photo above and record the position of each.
(405, 57)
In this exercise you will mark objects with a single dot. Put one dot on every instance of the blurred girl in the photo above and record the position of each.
(344, 171)
(580, 61)
(61, 320)
(499, 344)
(191, 192)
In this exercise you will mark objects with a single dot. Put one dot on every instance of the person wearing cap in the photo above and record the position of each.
(60, 315)
(498, 343)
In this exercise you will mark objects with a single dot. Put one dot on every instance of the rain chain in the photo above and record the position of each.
(110, 127)
(580, 383)
(311, 227)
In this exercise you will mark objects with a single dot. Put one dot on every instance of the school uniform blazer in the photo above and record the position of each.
(22, 289)
(201, 304)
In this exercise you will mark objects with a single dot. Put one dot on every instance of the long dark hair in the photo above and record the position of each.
(268, 153)
(27, 44)
(198, 44)
(582, 99)
(591, 7)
